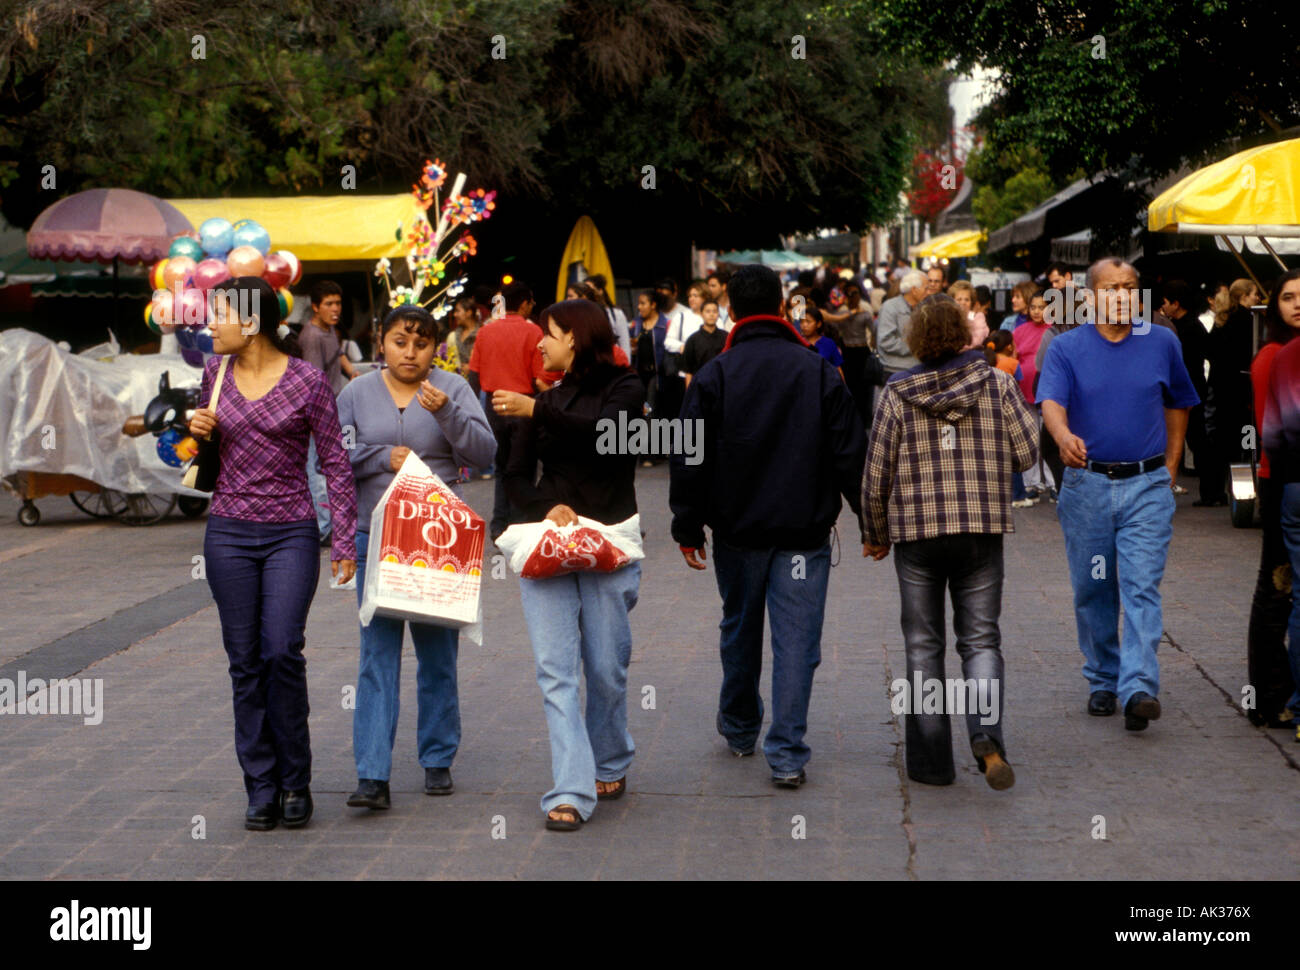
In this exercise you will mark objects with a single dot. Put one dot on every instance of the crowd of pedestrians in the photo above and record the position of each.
(909, 401)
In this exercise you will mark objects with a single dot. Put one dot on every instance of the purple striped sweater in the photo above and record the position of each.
(264, 452)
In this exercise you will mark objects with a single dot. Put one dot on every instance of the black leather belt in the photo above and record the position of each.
(1126, 469)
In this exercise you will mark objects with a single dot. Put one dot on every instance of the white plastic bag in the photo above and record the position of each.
(543, 549)
(424, 561)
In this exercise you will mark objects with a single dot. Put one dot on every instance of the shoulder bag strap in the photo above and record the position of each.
(216, 387)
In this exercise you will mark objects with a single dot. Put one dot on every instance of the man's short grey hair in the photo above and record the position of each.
(911, 280)
(1113, 262)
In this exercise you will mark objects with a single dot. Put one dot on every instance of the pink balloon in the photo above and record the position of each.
(163, 306)
(209, 273)
(193, 308)
(295, 265)
(178, 270)
(245, 261)
(278, 270)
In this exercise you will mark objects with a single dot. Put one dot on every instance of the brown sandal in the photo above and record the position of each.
(609, 794)
(563, 824)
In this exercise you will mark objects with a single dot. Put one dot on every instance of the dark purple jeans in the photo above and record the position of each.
(263, 576)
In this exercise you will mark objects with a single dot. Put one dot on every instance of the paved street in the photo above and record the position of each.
(1201, 795)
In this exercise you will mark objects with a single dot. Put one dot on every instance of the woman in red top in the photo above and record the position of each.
(1270, 610)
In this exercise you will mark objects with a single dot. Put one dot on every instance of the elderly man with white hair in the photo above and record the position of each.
(892, 323)
(1115, 398)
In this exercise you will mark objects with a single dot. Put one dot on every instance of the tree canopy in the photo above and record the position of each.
(1128, 85)
(757, 118)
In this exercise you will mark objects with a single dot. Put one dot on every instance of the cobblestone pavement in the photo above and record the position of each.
(1202, 794)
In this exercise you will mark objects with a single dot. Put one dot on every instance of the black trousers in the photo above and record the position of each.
(1270, 612)
(855, 364)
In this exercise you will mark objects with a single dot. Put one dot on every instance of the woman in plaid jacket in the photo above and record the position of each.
(947, 435)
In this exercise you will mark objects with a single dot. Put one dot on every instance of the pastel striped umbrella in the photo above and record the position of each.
(103, 225)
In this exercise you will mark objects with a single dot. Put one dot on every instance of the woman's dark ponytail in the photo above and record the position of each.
(254, 295)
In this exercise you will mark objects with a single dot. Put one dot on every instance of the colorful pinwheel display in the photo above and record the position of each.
(431, 250)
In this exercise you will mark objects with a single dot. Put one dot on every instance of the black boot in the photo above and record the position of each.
(370, 794)
(437, 781)
(295, 808)
(261, 818)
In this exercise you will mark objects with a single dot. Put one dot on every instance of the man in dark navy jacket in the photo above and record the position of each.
(782, 442)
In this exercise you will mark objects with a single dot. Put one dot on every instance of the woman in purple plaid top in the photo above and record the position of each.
(262, 547)
(947, 435)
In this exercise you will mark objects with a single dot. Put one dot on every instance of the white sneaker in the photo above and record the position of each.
(1024, 503)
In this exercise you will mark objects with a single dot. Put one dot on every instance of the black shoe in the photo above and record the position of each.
(992, 765)
(261, 818)
(1202, 503)
(1140, 709)
(296, 807)
(740, 752)
(789, 781)
(370, 794)
(1101, 703)
(437, 781)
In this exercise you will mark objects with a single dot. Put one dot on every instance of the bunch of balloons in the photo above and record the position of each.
(199, 261)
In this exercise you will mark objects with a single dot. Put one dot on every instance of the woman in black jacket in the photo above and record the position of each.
(578, 622)
(1229, 349)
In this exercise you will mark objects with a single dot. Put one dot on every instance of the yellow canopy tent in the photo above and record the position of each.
(951, 245)
(584, 255)
(333, 228)
(1251, 193)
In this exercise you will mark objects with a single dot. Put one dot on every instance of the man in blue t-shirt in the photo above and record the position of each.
(1116, 397)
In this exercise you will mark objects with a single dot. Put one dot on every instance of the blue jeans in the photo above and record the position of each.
(1291, 537)
(1117, 534)
(969, 565)
(578, 624)
(793, 590)
(319, 493)
(263, 576)
(1018, 490)
(374, 723)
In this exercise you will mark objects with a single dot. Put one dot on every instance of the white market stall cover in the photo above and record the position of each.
(63, 413)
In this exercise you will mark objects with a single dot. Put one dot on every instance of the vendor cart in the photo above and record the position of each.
(73, 425)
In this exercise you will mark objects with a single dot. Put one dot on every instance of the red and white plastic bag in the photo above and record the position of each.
(540, 550)
(425, 558)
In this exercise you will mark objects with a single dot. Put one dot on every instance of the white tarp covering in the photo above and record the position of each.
(62, 413)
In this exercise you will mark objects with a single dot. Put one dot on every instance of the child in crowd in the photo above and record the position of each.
(1000, 352)
(815, 331)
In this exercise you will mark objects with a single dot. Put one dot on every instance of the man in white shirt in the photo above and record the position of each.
(682, 320)
(717, 286)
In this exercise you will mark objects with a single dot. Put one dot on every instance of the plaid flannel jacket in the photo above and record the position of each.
(943, 446)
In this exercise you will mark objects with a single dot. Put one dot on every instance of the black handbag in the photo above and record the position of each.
(873, 371)
(206, 466)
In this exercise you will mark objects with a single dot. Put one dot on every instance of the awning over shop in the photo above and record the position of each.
(840, 244)
(316, 227)
(951, 245)
(101, 286)
(1050, 216)
(776, 258)
(1251, 193)
(1076, 248)
(959, 214)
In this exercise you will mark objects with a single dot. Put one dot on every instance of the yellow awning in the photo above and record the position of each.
(951, 245)
(318, 227)
(1250, 193)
